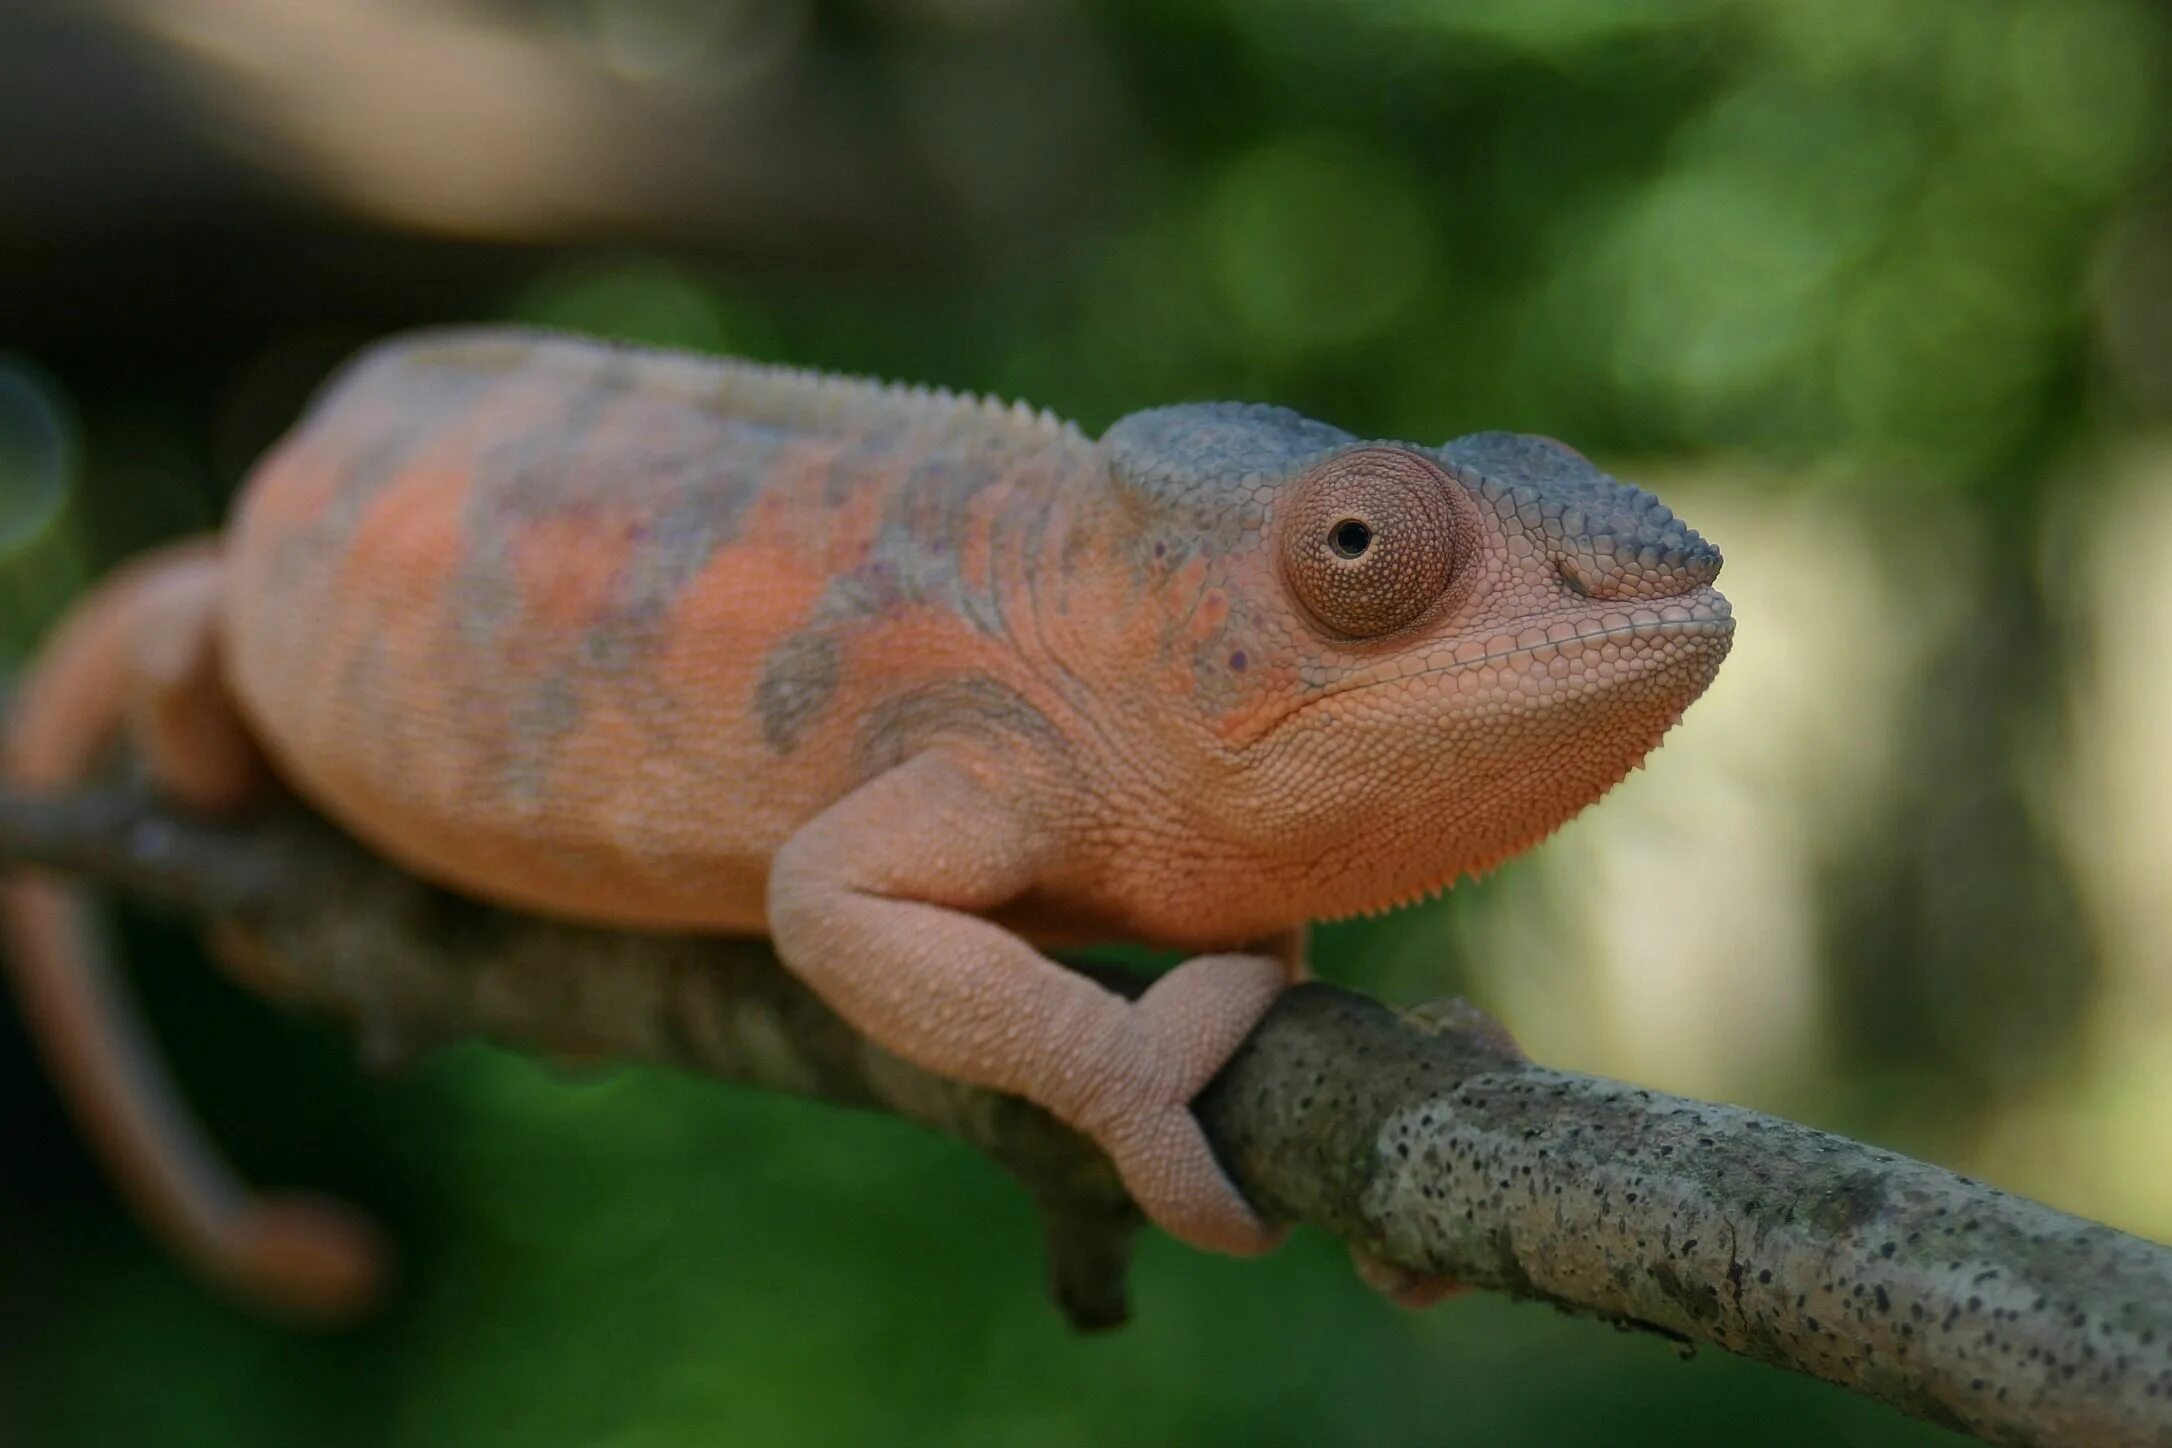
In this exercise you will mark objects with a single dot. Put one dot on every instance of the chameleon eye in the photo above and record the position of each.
(1369, 540)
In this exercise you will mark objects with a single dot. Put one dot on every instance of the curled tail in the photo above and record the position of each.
(294, 1254)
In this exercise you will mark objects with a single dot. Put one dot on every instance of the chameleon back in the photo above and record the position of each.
(565, 624)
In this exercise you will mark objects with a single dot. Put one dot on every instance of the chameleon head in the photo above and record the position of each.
(1406, 664)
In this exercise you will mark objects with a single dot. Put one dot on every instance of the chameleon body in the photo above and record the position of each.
(920, 685)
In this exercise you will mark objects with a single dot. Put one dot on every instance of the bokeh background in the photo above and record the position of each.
(1880, 296)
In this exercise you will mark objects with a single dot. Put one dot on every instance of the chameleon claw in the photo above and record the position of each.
(1405, 1288)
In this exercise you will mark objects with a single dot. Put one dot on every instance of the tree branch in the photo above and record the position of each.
(1417, 1137)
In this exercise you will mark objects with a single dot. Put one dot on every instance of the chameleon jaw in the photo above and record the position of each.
(1685, 652)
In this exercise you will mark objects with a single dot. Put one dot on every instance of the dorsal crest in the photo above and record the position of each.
(795, 399)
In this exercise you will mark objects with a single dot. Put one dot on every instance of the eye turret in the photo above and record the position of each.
(1370, 540)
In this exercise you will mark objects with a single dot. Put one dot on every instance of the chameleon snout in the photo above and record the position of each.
(1652, 560)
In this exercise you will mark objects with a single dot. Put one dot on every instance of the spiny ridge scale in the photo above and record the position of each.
(785, 395)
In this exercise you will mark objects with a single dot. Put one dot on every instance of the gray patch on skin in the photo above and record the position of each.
(1211, 465)
(517, 481)
(974, 706)
(552, 711)
(1610, 539)
(689, 483)
(799, 677)
(868, 591)
(849, 470)
(392, 381)
(927, 523)
(369, 468)
(701, 515)
(524, 476)
(691, 480)
(915, 557)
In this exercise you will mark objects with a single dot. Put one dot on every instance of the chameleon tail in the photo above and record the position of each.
(295, 1255)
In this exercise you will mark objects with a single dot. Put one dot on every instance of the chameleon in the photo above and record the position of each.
(921, 686)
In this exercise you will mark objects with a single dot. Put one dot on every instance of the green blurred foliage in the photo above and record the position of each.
(1846, 241)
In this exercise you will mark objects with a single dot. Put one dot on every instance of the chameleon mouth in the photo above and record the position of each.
(1703, 615)
(1658, 635)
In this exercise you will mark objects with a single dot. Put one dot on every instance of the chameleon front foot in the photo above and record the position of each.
(1176, 1037)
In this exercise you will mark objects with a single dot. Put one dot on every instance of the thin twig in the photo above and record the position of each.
(1416, 1137)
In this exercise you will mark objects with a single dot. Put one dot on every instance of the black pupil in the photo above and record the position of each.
(1350, 538)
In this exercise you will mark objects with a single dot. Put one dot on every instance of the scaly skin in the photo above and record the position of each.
(922, 686)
